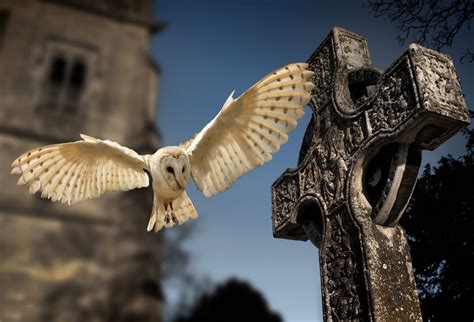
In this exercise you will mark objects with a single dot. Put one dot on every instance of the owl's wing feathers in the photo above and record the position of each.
(248, 129)
(76, 171)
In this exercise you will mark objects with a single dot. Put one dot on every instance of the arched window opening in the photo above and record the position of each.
(78, 75)
(57, 71)
(75, 87)
(4, 17)
(64, 84)
(54, 82)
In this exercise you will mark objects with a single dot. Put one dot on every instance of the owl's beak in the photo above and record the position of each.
(180, 180)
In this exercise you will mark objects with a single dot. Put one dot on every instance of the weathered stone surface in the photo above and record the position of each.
(92, 261)
(357, 168)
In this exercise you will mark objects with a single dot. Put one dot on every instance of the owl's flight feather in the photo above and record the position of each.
(76, 171)
(248, 129)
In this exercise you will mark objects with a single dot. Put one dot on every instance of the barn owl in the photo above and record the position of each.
(242, 136)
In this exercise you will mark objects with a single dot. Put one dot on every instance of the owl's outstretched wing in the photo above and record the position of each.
(247, 130)
(76, 171)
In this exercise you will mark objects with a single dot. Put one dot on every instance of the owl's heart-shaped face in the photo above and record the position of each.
(174, 167)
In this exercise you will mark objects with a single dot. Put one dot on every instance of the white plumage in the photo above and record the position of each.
(242, 136)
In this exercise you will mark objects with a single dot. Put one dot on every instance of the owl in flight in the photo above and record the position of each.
(241, 137)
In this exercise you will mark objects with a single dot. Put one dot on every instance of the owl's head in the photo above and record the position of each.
(173, 166)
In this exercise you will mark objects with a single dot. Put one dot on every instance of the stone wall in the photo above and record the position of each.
(93, 261)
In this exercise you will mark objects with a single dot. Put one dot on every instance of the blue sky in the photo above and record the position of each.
(213, 47)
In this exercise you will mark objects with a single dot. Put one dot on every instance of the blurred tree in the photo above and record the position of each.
(231, 301)
(439, 222)
(175, 259)
(177, 270)
(432, 23)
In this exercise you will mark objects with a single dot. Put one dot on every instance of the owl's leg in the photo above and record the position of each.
(173, 216)
(168, 214)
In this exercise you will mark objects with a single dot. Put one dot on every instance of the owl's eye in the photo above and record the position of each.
(170, 169)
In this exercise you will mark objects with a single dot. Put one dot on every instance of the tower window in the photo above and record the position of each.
(64, 85)
(4, 16)
(75, 86)
(78, 75)
(58, 69)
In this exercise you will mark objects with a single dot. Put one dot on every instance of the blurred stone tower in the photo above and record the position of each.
(70, 67)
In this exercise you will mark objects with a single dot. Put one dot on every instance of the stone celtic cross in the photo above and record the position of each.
(357, 169)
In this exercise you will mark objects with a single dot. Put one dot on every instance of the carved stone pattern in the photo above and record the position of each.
(340, 270)
(331, 146)
(284, 199)
(323, 66)
(354, 51)
(309, 175)
(439, 84)
(396, 100)
(355, 134)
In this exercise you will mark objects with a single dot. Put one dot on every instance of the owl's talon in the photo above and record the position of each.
(175, 220)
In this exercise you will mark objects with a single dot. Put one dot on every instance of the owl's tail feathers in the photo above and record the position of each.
(167, 215)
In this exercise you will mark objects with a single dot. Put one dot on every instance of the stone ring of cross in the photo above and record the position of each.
(388, 179)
